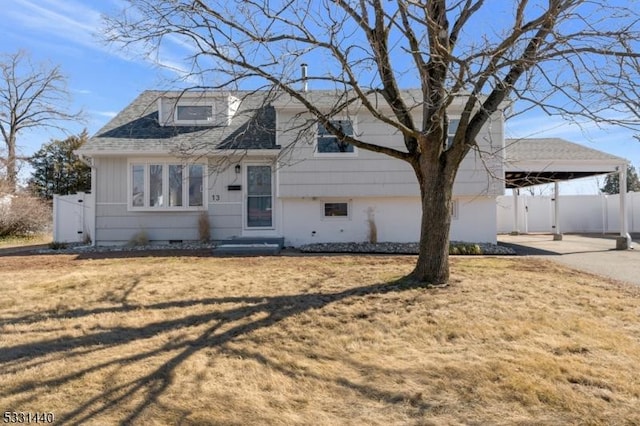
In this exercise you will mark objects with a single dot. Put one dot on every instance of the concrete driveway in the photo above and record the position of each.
(593, 253)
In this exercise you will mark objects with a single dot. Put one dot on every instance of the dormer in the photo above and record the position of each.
(197, 109)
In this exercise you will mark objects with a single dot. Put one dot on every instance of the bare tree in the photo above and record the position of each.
(569, 57)
(30, 97)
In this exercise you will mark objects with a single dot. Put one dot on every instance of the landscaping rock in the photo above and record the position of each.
(379, 248)
(395, 248)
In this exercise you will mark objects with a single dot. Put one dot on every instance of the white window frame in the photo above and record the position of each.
(319, 154)
(245, 197)
(191, 103)
(335, 218)
(165, 186)
(450, 135)
(455, 206)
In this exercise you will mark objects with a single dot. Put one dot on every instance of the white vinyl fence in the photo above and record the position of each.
(578, 213)
(73, 218)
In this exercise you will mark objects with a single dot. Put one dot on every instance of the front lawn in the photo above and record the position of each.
(321, 340)
(24, 241)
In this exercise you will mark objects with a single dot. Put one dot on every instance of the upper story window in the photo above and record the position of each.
(329, 143)
(194, 114)
(167, 186)
(451, 133)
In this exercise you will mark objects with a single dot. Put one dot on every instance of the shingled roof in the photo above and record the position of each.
(544, 160)
(552, 149)
(137, 129)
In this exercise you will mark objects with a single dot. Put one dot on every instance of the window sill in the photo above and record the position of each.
(334, 155)
(166, 209)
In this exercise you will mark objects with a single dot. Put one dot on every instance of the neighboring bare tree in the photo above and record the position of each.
(538, 190)
(57, 170)
(612, 182)
(30, 97)
(569, 57)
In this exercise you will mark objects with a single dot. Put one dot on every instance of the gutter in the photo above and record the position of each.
(271, 152)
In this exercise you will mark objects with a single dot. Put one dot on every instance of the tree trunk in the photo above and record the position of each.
(436, 188)
(12, 174)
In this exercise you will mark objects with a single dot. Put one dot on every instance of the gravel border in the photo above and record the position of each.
(81, 248)
(381, 248)
(394, 248)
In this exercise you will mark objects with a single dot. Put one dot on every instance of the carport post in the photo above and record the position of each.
(557, 236)
(516, 225)
(623, 242)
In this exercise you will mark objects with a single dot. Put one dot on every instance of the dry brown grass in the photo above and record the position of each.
(24, 241)
(315, 340)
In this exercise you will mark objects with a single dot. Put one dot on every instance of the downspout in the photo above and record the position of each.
(94, 175)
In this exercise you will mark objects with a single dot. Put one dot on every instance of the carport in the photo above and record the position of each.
(531, 162)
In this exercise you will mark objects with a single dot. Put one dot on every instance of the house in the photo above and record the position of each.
(261, 168)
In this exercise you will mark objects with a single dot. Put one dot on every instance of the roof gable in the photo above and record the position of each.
(136, 129)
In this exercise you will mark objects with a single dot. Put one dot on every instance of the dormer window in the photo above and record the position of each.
(197, 109)
(194, 114)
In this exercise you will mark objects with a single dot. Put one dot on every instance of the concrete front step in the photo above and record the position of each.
(253, 240)
(247, 249)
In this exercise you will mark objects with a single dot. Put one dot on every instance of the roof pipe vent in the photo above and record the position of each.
(304, 77)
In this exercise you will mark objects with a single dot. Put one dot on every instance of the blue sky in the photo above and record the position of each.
(103, 79)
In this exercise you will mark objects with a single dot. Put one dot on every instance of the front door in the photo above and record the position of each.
(259, 201)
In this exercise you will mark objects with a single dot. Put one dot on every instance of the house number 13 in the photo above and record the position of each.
(215, 197)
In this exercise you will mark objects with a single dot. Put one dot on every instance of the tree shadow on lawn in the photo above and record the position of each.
(151, 386)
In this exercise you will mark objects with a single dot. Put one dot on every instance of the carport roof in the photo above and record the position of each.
(543, 160)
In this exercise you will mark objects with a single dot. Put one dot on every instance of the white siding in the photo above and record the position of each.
(301, 174)
(115, 224)
(397, 219)
(111, 180)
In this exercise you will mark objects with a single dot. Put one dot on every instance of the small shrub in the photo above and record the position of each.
(140, 238)
(465, 249)
(204, 227)
(23, 216)
(87, 238)
(56, 245)
(373, 229)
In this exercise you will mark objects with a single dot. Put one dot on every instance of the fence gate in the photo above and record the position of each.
(72, 217)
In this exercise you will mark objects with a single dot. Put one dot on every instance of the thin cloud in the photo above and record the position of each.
(541, 126)
(107, 114)
(76, 24)
(81, 25)
(67, 20)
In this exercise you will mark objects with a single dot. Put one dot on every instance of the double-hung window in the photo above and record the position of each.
(451, 132)
(328, 143)
(167, 186)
